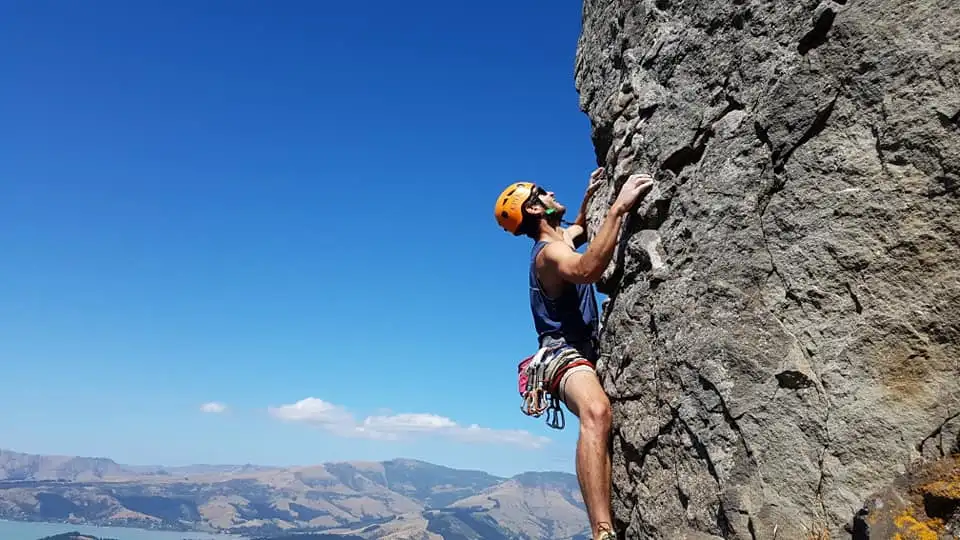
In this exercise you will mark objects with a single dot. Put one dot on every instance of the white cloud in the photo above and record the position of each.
(341, 422)
(213, 407)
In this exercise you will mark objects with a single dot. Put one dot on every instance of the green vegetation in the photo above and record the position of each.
(73, 535)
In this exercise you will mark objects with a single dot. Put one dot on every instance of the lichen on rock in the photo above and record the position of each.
(923, 503)
(782, 337)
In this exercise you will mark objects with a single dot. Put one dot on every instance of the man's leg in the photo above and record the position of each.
(586, 399)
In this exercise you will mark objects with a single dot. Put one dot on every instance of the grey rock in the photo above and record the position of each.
(782, 337)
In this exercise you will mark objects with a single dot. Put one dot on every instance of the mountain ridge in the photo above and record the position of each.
(395, 498)
(195, 468)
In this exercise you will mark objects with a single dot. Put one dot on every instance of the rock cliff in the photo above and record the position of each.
(782, 339)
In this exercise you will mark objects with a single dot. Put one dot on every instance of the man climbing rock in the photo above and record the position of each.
(564, 306)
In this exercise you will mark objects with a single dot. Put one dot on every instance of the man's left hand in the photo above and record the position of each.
(597, 178)
(576, 233)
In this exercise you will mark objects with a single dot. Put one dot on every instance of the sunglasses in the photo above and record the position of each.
(536, 194)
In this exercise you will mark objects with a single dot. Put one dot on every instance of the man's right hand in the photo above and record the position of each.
(564, 262)
(635, 186)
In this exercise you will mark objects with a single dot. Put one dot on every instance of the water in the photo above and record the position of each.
(24, 530)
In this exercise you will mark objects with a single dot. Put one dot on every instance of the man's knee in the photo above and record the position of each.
(586, 398)
(596, 414)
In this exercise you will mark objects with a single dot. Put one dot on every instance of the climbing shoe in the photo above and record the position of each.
(605, 533)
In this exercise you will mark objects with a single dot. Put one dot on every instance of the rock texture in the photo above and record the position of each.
(782, 338)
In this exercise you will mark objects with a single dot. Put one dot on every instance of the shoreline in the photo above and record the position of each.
(49, 528)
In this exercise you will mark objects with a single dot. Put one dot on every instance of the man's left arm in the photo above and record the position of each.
(576, 234)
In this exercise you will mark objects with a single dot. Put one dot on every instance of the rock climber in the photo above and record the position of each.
(564, 307)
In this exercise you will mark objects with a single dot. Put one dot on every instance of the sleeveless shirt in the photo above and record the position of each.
(571, 317)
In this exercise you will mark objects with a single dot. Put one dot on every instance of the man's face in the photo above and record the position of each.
(548, 201)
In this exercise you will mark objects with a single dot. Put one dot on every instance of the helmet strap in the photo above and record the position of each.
(551, 211)
(550, 215)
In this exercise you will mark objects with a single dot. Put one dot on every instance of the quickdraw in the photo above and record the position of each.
(532, 374)
(536, 391)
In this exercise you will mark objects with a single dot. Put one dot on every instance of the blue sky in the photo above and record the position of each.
(261, 204)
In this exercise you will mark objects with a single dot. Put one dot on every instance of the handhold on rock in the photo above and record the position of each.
(648, 209)
(861, 529)
(650, 241)
(793, 379)
(795, 371)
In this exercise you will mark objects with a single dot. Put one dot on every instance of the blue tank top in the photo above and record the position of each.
(571, 317)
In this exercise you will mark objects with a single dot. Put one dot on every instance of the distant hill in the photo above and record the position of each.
(73, 536)
(397, 499)
(17, 466)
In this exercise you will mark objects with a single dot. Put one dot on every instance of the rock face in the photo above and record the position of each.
(783, 333)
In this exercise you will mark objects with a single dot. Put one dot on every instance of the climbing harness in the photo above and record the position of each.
(533, 387)
(539, 388)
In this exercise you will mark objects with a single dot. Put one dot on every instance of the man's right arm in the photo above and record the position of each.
(588, 267)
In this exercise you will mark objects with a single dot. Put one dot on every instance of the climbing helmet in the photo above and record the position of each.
(509, 207)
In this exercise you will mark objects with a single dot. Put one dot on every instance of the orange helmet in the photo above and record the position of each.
(509, 207)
